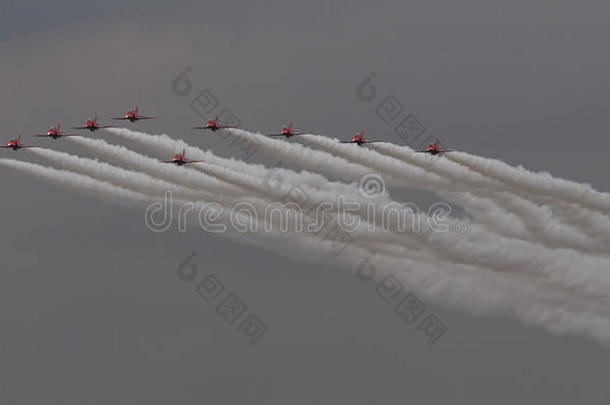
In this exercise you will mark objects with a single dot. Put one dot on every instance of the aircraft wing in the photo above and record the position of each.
(201, 128)
(145, 118)
(438, 152)
(194, 161)
(6, 147)
(104, 126)
(79, 127)
(51, 136)
(119, 119)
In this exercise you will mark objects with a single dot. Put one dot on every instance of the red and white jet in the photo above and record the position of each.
(359, 139)
(92, 125)
(134, 116)
(288, 132)
(214, 126)
(435, 149)
(15, 144)
(54, 133)
(181, 160)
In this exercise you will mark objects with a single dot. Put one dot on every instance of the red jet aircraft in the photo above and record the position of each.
(214, 126)
(92, 125)
(288, 132)
(359, 139)
(15, 144)
(133, 116)
(181, 160)
(435, 149)
(54, 133)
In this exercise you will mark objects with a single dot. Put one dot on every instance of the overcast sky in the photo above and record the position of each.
(91, 307)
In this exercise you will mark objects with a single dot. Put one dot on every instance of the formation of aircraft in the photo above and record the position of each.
(54, 133)
(288, 132)
(15, 144)
(181, 160)
(214, 125)
(133, 116)
(92, 125)
(359, 139)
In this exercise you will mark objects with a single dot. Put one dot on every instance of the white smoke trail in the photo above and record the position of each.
(384, 226)
(142, 184)
(349, 167)
(575, 202)
(555, 266)
(538, 220)
(537, 223)
(586, 276)
(163, 144)
(474, 291)
(178, 175)
(594, 224)
(114, 194)
(538, 260)
(133, 180)
(397, 173)
(285, 192)
(76, 182)
(579, 221)
(579, 204)
(139, 182)
(314, 197)
(276, 189)
(148, 185)
(522, 179)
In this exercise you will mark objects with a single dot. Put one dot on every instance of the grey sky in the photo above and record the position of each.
(91, 308)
